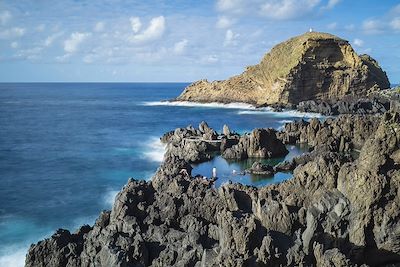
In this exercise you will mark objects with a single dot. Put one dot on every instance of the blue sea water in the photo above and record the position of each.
(67, 149)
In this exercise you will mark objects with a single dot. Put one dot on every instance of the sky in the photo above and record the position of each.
(177, 40)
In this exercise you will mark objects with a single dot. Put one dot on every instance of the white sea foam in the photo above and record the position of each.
(285, 121)
(205, 105)
(245, 109)
(154, 150)
(284, 113)
(14, 257)
(109, 197)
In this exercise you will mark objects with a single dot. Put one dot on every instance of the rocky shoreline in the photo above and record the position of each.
(341, 208)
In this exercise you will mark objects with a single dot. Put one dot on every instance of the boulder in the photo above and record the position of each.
(261, 169)
(260, 143)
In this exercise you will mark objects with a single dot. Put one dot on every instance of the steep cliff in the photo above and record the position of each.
(312, 66)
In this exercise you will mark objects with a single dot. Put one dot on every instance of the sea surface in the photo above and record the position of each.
(66, 149)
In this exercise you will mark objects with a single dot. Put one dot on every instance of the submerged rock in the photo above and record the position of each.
(261, 169)
(312, 66)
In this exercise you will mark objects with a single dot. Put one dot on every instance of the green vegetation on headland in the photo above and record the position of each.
(312, 66)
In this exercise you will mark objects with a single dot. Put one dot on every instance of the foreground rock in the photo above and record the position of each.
(313, 66)
(335, 211)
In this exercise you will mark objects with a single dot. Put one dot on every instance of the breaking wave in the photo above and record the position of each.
(205, 105)
(154, 150)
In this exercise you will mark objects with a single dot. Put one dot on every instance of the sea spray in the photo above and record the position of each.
(154, 150)
(14, 256)
(109, 198)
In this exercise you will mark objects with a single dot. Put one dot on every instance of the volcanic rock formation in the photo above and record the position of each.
(313, 66)
(337, 210)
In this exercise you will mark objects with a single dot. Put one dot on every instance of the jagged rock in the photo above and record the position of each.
(312, 66)
(226, 131)
(347, 105)
(261, 169)
(340, 135)
(335, 211)
(372, 184)
(285, 166)
(261, 143)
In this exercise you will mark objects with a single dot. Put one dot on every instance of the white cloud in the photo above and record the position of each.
(99, 27)
(235, 6)
(88, 59)
(287, 9)
(50, 39)
(152, 55)
(350, 27)
(41, 28)
(372, 26)
(224, 22)
(154, 31)
(63, 58)
(230, 38)
(5, 16)
(136, 24)
(33, 53)
(395, 23)
(358, 42)
(275, 9)
(332, 26)
(14, 45)
(209, 59)
(332, 3)
(180, 47)
(71, 45)
(15, 32)
(396, 10)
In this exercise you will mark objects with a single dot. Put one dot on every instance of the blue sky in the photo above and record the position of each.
(177, 40)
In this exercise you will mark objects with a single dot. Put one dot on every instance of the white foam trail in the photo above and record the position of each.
(246, 109)
(155, 150)
(285, 113)
(15, 257)
(196, 104)
(285, 121)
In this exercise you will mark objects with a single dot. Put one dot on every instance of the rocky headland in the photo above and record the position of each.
(313, 72)
(340, 208)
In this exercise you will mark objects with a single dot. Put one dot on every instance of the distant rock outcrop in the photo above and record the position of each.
(312, 66)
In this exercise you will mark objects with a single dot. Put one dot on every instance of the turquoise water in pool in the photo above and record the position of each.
(230, 170)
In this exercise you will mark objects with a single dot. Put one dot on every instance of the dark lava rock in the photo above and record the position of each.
(260, 143)
(335, 211)
(261, 169)
(348, 105)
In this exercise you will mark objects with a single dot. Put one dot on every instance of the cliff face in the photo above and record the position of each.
(317, 66)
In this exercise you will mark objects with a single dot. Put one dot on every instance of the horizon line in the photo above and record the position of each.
(1, 82)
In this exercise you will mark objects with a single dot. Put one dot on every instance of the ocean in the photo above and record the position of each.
(66, 149)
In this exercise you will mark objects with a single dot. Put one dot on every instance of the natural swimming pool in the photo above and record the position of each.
(233, 170)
